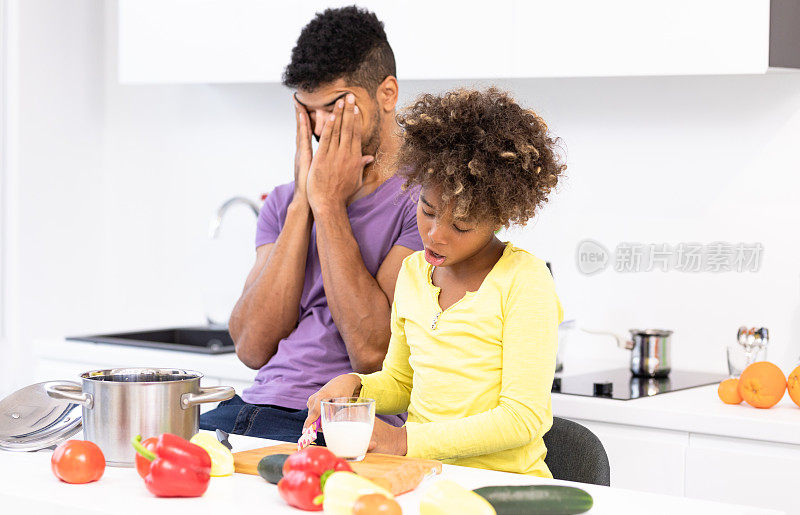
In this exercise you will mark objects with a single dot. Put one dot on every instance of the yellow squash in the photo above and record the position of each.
(446, 497)
(342, 490)
(221, 457)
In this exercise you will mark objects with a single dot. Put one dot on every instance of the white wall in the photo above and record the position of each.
(116, 186)
(669, 160)
(4, 196)
(55, 174)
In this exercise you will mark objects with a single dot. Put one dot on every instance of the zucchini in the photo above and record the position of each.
(536, 499)
(271, 467)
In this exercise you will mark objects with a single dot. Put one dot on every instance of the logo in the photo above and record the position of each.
(591, 257)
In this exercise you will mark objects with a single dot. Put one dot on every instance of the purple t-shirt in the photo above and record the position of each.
(315, 353)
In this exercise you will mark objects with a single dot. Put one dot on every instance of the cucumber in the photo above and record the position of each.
(271, 467)
(536, 499)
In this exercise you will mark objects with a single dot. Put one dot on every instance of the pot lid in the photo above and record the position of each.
(31, 420)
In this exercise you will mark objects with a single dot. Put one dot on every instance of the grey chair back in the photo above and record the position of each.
(574, 453)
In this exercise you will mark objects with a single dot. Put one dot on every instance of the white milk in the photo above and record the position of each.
(347, 439)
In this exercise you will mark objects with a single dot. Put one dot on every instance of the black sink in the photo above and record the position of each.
(204, 340)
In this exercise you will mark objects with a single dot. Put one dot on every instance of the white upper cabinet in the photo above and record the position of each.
(214, 41)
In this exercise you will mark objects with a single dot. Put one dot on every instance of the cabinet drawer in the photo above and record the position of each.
(645, 459)
(741, 471)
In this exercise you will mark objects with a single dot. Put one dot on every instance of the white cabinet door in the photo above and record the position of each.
(467, 39)
(178, 41)
(740, 471)
(649, 460)
(585, 38)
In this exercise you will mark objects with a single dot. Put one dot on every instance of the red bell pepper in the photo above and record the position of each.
(142, 463)
(304, 476)
(178, 468)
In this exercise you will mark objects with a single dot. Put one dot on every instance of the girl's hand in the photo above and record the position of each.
(345, 385)
(388, 439)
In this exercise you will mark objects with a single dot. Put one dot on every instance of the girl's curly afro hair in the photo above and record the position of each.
(492, 159)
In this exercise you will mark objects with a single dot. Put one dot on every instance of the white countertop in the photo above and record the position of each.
(695, 410)
(27, 483)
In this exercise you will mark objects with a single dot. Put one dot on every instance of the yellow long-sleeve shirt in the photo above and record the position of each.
(475, 379)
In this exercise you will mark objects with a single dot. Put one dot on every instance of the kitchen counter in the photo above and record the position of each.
(695, 446)
(696, 410)
(689, 443)
(26, 483)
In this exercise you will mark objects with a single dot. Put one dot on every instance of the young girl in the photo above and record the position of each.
(474, 320)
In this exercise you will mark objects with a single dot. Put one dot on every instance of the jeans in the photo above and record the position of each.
(259, 420)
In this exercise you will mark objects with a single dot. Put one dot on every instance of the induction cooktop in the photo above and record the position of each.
(621, 384)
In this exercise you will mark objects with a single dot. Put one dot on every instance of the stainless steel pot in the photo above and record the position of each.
(118, 404)
(650, 353)
(650, 350)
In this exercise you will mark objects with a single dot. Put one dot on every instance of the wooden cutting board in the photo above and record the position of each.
(398, 474)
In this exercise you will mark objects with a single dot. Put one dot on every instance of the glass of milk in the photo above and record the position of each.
(347, 425)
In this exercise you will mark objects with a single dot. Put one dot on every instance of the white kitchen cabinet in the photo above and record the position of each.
(174, 41)
(741, 471)
(709, 467)
(217, 41)
(645, 459)
(630, 37)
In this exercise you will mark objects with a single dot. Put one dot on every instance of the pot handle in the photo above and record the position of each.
(622, 343)
(207, 394)
(70, 392)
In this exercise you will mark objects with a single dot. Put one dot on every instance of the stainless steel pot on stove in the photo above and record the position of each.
(118, 404)
(650, 350)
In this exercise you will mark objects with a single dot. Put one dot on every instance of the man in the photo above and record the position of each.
(317, 302)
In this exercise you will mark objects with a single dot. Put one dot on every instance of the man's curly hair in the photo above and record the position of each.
(492, 159)
(347, 43)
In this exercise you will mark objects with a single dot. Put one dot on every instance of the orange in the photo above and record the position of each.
(762, 384)
(728, 391)
(794, 385)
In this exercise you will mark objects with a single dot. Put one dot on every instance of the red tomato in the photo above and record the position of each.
(78, 461)
(142, 463)
(376, 504)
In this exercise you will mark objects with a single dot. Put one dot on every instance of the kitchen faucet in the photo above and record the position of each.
(216, 222)
(213, 232)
